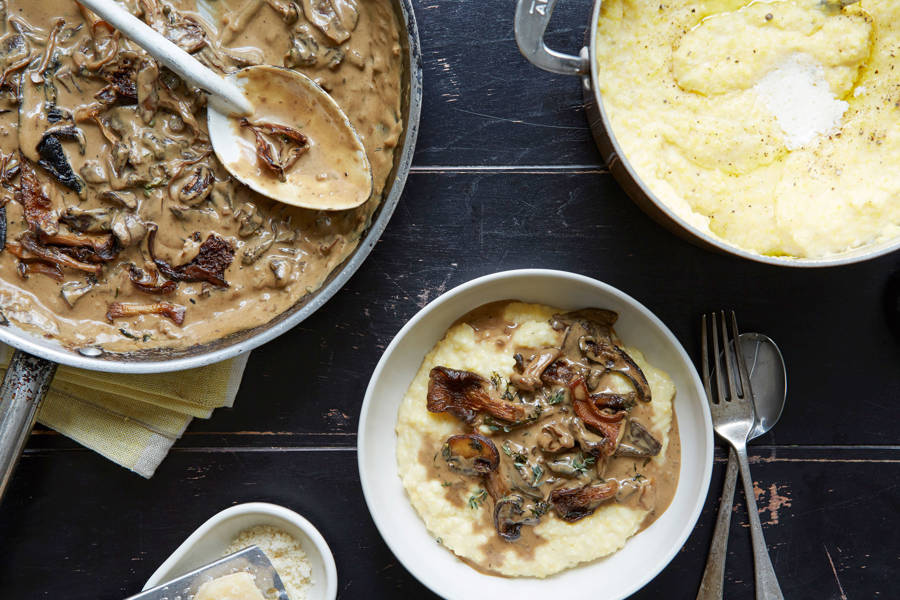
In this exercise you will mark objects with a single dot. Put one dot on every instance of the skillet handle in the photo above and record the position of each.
(532, 17)
(24, 387)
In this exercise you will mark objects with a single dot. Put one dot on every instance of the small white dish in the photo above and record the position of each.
(211, 539)
(614, 577)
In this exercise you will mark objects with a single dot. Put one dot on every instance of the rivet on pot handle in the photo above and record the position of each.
(532, 17)
(24, 387)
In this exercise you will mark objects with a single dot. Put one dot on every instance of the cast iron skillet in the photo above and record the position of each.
(36, 358)
(532, 17)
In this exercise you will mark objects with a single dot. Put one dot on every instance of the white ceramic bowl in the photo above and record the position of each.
(210, 540)
(622, 573)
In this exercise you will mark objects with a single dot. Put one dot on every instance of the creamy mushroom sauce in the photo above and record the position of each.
(553, 450)
(136, 153)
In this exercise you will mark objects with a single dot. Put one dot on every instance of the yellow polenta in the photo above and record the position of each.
(684, 83)
(565, 544)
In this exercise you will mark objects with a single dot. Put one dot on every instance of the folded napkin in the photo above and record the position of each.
(133, 420)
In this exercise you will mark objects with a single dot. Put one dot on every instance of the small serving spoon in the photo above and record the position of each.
(768, 379)
(333, 173)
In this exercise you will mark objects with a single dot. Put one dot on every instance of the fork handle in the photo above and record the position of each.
(767, 587)
(711, 586)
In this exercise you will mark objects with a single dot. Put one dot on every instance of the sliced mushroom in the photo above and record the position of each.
(93, 172)
(72, 291)
(129, 229)
(214, 257)
(463, 394)
(555, 437)
(29, 247)
(560, 372)
(335, 18)
(613, 358)
(39, 213)
(120, 198)
(149, 282)
(278, 147)
(470, 454)
(572, 504)
(509, 517)
(637, 442)
(530, 379)
(26, 269)
(88, 220)
(197, 187)
(610, 431)
(173, 312)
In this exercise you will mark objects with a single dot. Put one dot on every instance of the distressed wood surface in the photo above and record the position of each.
(506, 176)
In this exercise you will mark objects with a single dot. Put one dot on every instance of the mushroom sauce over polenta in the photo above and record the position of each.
(532, 440)
(774, 125)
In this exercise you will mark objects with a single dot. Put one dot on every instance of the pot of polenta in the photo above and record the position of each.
(766, 129)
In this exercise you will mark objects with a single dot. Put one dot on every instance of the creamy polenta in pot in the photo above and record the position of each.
(532, 440)
(119, 228)
(772, 125)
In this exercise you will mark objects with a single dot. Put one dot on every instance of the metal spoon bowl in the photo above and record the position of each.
(332, 174)
(768, 379)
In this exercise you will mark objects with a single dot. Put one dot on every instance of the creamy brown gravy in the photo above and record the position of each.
(331, 172)
(281, 253)
(488, 324)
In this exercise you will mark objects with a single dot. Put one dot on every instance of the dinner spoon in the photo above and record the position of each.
(768, 379)
(322, 167)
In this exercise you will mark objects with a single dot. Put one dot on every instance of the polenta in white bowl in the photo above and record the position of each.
(525, 448)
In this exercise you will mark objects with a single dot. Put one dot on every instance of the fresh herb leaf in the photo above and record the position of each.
(477, 499)
(557, 397)
(582, 464)
(519, 459)
(446, 484)
(538, 472)
(496, 380)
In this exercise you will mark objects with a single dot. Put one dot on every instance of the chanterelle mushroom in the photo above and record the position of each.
(530, 379)
(463, 394)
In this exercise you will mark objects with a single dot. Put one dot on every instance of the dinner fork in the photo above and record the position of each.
(733, 418)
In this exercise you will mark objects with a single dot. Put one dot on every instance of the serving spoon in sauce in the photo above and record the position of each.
(274, 129)
(768, 379)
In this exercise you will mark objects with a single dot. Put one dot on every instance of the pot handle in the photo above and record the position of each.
(532, 17)
(24, 387)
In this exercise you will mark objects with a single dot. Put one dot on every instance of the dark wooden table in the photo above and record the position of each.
(506, 176)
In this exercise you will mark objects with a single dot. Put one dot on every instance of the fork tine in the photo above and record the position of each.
(720, 384)
(746, 389)
(704, 359)
(729, 357)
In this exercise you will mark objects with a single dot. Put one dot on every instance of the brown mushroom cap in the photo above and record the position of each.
(637, 442)
(572, 504)
(509, 517)
(470, 454)
(463, 394)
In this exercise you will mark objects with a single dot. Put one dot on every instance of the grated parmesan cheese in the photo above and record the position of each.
(285, 553)
(797, 94)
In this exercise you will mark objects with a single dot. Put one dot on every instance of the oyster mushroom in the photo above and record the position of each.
(530, 378)
(509, 517)
(463, 394)
(572, 504)
(637, 442)
(470, 454)
(128, 229)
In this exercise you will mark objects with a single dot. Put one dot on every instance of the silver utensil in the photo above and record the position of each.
(733, 419)
(251, 560)
(768, 380)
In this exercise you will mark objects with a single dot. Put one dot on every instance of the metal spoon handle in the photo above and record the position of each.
(712, 584)
(224, 96)
(767, 587)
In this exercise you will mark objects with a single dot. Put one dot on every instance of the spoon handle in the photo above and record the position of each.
(711, 586)
(767, 587)
(223, 96)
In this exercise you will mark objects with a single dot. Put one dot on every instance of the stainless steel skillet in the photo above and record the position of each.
(532, 18)
(36, 358)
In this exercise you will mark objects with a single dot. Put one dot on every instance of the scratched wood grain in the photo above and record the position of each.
(76, 527)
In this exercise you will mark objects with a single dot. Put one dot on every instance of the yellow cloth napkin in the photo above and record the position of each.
(133, 420)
